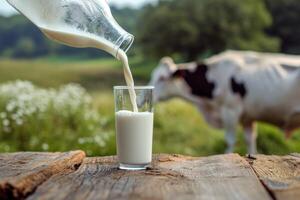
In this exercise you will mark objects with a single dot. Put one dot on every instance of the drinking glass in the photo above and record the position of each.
(134, 130)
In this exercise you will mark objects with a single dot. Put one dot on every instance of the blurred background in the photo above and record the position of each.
(57, 98)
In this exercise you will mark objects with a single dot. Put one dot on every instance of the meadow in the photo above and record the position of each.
(179, 128)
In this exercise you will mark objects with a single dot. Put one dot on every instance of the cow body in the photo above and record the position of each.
(236, 87)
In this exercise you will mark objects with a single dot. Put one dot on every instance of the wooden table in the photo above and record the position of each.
(71, 175)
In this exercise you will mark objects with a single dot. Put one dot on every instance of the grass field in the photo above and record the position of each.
(178, 126)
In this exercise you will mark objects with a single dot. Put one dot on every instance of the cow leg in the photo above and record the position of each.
(230, 121)
(230, 139)
(250, 137)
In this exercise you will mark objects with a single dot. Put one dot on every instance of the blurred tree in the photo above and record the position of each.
(25, 48)
(17, 31)
(126, 17)
(286, 19)
(192, 28)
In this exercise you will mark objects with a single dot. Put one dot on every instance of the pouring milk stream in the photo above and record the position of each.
(81, 23)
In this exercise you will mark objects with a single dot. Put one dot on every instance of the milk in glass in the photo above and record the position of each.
(134, 137)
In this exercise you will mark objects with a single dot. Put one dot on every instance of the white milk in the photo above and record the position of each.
(134, 137)
(129, 79)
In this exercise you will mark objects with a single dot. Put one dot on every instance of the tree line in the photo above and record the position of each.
(185, 29)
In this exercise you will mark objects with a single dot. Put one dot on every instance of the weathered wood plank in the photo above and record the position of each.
(280, 174)
(21, 173)
(171, 177)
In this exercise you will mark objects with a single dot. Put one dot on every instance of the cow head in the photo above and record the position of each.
(166, 84)
(184, 80)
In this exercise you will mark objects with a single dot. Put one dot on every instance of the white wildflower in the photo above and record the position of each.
(81, 140)
(11, 106)
(5, 122)
(99, 140)
(45, 146)
(19, 122)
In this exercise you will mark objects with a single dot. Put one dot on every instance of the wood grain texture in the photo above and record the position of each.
(21, 173)
(280, 174)
(170, 177)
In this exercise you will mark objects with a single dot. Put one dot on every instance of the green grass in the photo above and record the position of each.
(92, 74)
(53, 73)
(178, 126)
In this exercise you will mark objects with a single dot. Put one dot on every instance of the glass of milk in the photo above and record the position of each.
(134, 130)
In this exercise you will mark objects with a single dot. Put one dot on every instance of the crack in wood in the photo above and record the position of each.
(280, 175)
(250, 160)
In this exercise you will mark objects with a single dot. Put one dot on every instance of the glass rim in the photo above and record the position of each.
(135, 87)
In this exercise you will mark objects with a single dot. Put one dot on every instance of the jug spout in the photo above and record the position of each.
(77, 23)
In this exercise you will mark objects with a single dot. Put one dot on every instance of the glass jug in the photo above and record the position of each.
(77, 23)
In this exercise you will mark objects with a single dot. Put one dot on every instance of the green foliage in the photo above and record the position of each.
(191, 28)
(185, 132)
(20, 38)
(286, 18)
(25, 47)
(126, 17)
(271, 138)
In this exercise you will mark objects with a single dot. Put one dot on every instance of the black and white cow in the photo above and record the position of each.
(236, 87)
